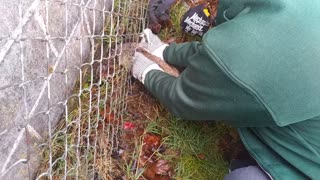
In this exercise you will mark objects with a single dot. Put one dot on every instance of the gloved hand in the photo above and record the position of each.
(142, 65)
(198, 20)
(153, 44)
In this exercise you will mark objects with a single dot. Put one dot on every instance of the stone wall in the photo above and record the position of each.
(42, 45)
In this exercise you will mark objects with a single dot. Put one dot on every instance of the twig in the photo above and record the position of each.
(165, 66)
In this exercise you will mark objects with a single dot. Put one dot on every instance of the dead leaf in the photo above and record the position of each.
(151, 143)
(128, 125)
(159, 170)
(201, 156)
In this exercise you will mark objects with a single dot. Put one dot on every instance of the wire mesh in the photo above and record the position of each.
(66, 64)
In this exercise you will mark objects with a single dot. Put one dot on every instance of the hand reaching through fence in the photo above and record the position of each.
(162, 64)
(149, 57)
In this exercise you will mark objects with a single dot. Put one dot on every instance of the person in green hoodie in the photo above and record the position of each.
(257, 70)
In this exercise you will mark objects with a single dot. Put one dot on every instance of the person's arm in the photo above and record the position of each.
(204, 92)
(178, 54)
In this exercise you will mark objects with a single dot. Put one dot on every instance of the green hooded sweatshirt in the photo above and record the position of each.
(257, 70)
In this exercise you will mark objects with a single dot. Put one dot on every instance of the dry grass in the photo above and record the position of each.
(86, 142)
(83, 138)
(86, 137)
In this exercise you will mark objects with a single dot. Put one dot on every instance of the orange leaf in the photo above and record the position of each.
(158, 170)
(201, 156)
(151, 143)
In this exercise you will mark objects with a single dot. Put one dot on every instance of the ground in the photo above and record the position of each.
(160, 146)
(183, 149)
(157, 145)
(144, 141)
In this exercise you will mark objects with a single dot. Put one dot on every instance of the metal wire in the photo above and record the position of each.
(73, 62)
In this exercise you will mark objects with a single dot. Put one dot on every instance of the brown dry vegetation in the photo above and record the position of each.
(148, 142)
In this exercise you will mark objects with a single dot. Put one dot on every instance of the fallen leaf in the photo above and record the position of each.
(201, 156)
(128, 126)
(151, 143)
(159, 170)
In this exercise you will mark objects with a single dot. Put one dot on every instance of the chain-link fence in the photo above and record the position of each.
(64, 81)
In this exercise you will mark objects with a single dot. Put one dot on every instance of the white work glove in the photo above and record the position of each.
(153, 44)
(142, 65)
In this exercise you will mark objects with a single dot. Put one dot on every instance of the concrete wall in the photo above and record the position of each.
(42, 45)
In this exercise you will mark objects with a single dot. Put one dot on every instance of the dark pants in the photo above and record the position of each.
(247, 173)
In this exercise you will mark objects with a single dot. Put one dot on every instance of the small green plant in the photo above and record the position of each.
(192, 147)
(130, 167)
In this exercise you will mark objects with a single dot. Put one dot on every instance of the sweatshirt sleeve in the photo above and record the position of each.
(204, 92)
(177, 54)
